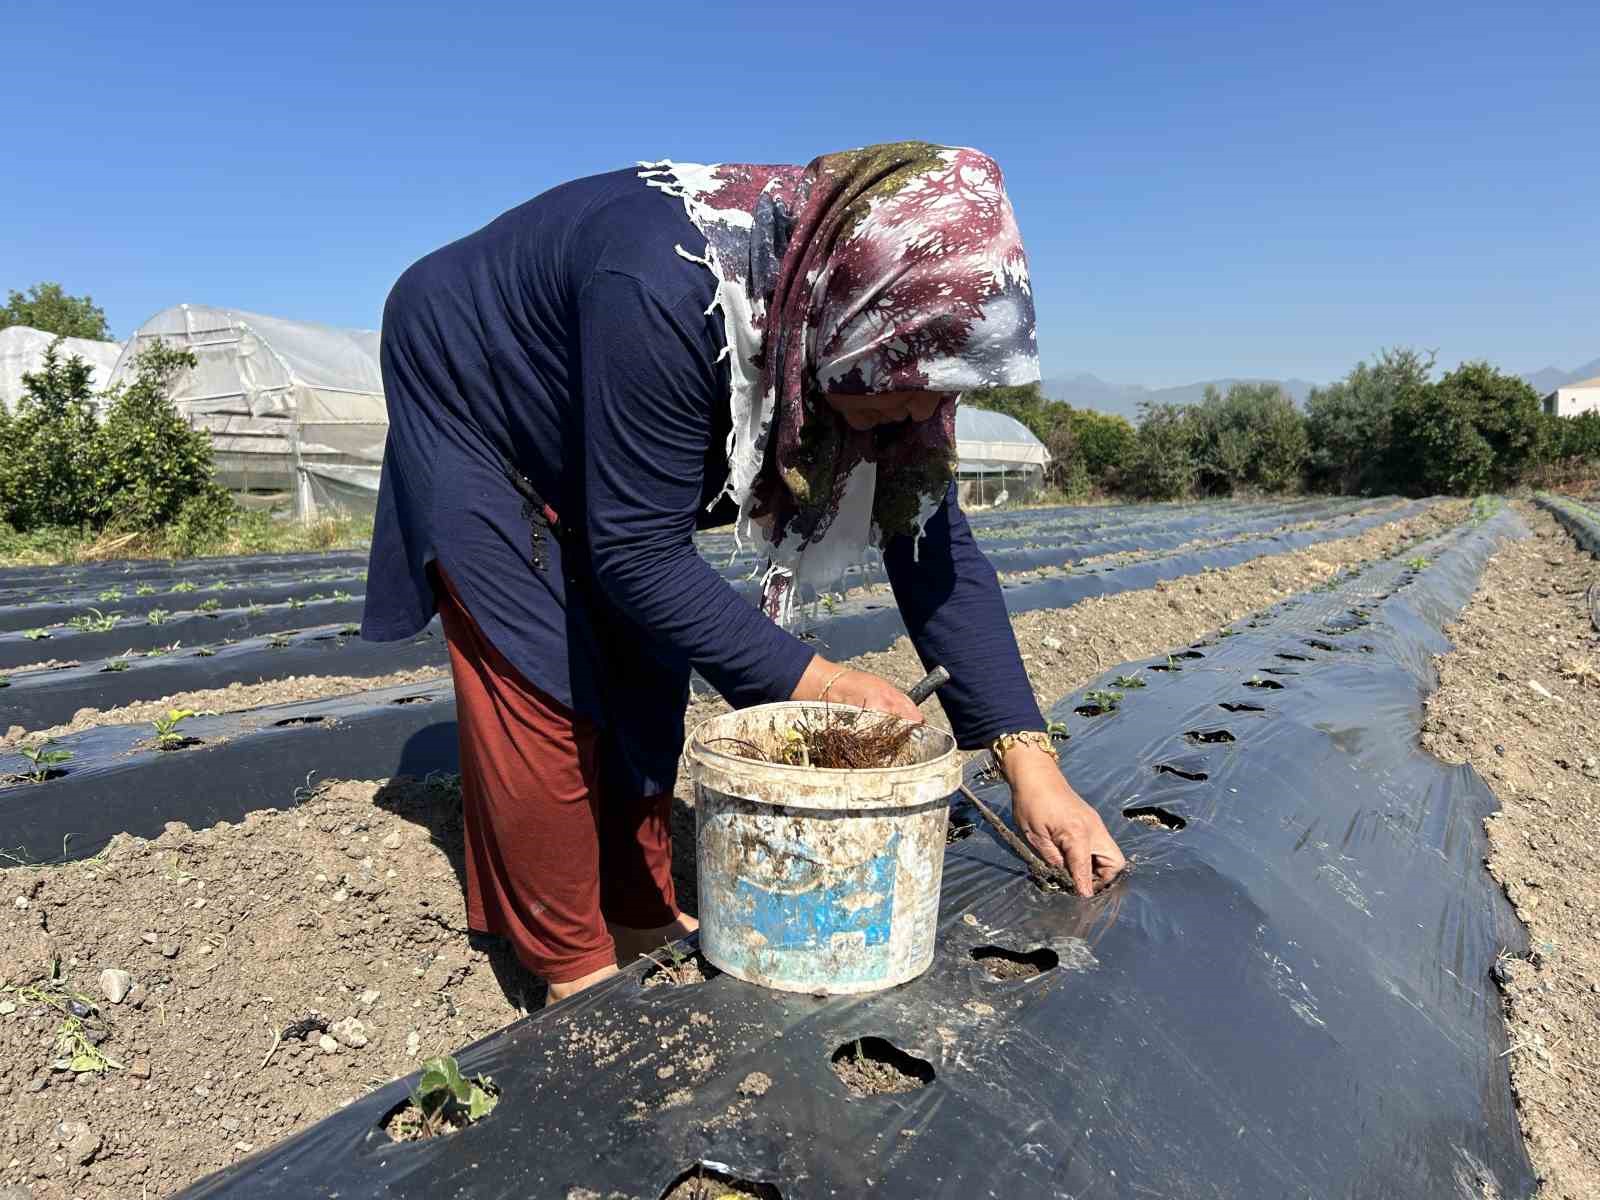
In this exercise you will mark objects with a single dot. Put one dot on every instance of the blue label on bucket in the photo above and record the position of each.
(856, 905)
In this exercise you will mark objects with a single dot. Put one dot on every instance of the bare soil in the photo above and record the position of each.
(1520, 700)
(351, 906)
(236, 697)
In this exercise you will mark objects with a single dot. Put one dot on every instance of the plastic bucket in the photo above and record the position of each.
(815, 880)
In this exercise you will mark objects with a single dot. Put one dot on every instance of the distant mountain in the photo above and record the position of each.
(1090, 391)
(1548, 379)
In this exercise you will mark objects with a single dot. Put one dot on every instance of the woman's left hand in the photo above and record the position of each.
(1058, 823)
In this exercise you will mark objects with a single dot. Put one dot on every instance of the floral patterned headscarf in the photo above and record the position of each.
(892, 268)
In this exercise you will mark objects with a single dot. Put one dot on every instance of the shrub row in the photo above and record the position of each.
(1387, 426)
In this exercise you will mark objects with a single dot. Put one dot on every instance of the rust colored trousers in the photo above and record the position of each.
(552, 854)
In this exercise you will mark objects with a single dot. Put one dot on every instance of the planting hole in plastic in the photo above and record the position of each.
(1284, 654)
(1181, 773)
(1188, 654)
(1241, 707)
(872, 1066)
(1271, 684)
(412, 699)
(1207, 737)
(701, 1182)
(1001, 963)
(1162, 667)
(1155, 816)
(1092, 710)
(30, 777)
(958, 831)
(289, 721)
(182, 743)
(1316, 644)
(678, 969)
(1279, 671)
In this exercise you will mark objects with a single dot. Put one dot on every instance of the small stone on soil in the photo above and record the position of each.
(115, 984)
(755, 1084)
(329, 1046)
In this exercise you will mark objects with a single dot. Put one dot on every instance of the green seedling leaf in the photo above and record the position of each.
(157, 616)
(1129, 681)
(36, 635)
(184, 587)
(144, 589)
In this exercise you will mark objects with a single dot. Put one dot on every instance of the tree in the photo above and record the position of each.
(1252, 438)
(1348, 422)
(1164, 465)
(1477, 429)
(1104, 444)
(49, 474)
(152, 462)
(47, 307)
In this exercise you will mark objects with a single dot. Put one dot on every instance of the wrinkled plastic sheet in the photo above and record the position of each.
(1579, 520)
(186, 630)
(117, 782)
(1290, 997)
(40, 699)
(22, 583)
(97, 799)
(269, 589)
(864, 624)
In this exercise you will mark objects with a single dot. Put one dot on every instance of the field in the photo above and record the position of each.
(1309, 722)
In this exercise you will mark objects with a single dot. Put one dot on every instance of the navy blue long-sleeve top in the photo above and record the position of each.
(569, 342)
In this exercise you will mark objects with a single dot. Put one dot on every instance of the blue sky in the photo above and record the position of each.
(1260, 189)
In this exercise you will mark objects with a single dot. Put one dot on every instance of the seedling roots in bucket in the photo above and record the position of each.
(843, 738)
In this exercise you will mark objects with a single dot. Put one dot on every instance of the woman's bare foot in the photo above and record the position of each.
(633, 943)
(560, 991)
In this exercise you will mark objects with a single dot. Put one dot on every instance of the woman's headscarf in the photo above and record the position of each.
(892, 268)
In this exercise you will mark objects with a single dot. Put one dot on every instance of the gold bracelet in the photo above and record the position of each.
(1025, 737)
(842, 671)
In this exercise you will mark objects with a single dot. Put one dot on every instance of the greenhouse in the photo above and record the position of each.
(999, 458)
(22, 352)
(295, 410)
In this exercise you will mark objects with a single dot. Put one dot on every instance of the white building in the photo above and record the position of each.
(22, 353)
(1573, 398)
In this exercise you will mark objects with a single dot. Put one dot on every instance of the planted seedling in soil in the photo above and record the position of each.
(94, 621)
(36, 635)
(184, 587)
(874, 1067)
(144, 589)
(1129, 681)
(443, 1102)
(676, 968)
(209, 606)
(157, 616)
(110, 596)
(115, 664)
(1099, 702)
(1057, 731)
(169, 735)
(46, 760)
(704, 1183)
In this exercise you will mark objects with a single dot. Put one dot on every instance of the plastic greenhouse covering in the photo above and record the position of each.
(289, 404)
(22, 352)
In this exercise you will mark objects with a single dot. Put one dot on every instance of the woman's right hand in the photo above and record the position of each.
(846, 685)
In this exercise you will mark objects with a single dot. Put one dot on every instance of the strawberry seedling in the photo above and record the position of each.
(45, 759)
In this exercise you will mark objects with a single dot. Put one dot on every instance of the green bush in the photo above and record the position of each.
(1348, 423)
(1164, 464)
(50, 471)
(1104, 443)
(1476, 430)
(154, 465)
(1251, 439)
(142, 471)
